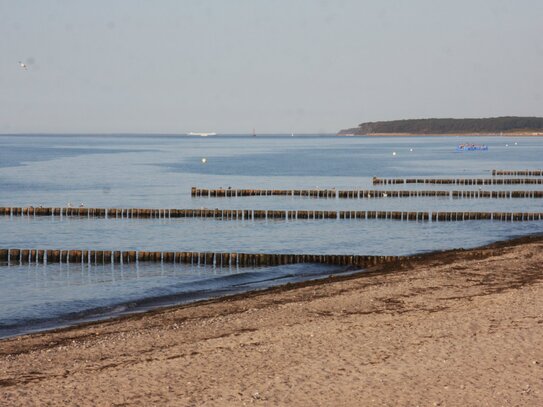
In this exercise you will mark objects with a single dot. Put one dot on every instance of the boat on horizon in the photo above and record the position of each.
(471, 147)
(201, 134)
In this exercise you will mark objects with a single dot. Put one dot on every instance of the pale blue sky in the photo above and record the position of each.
(276, 65)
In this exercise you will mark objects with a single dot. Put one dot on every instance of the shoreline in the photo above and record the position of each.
(350, 272)
(456, 327)
(513, 134)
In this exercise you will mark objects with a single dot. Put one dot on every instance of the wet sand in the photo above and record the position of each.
(454, 329)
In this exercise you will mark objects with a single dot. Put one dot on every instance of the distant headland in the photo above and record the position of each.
(509, 125)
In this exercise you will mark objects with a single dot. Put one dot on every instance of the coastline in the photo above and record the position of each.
(445, 327)
(504, 134)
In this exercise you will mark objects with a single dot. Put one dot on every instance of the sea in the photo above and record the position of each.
(158, 171)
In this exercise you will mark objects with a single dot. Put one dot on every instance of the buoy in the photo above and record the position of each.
(204, 160)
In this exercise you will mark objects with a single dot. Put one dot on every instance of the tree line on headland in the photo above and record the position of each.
(493, 125)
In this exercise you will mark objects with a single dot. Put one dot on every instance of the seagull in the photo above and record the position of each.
(23, 65)
(81, 205)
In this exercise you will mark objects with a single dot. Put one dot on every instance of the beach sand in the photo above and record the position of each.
(457, 328)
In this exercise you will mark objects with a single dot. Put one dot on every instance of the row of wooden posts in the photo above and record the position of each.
(360, 194)
(529, 173)
(91, 257)
(254, 214)
(459, 181)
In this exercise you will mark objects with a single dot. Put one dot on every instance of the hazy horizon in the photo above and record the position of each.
(308, 67)
(176, 134)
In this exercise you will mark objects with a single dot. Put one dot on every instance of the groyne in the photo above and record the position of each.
(93, 257)
(264, 214)
(528, 173)
(459, 181)
(230, 193)
(360, 194)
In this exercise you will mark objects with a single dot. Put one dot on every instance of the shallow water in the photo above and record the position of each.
(55, 295)
(158, 171)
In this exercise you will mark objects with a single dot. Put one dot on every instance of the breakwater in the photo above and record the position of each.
(230, 193)
(459, 181)
(93, 257)
(360, 194)
(263, 214)
(528, 173)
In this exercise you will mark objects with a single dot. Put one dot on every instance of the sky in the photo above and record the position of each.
(278, 66)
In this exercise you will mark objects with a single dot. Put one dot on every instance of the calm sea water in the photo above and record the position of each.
(158, 172)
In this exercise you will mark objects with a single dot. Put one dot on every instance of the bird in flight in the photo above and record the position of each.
(23, 65)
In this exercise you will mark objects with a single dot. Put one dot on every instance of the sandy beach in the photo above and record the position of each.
(455, 328)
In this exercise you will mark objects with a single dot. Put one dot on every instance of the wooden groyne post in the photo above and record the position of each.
(217, 259)
(362, 194)
(235, 193)
(263, 214)
(526, 173)
(459, 181)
